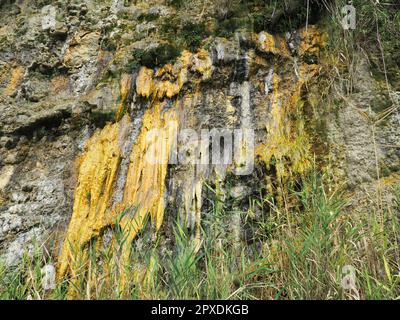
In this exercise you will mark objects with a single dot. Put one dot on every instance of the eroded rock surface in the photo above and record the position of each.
(83, 82)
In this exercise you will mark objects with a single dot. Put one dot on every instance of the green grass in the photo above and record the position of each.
(377, 37)
(294, 254)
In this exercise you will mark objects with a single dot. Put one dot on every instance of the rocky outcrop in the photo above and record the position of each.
(49, 108)
(85, 84)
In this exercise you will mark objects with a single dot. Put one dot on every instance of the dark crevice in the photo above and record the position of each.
(47, 123)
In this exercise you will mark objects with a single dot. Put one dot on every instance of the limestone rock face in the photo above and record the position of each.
(83, 84)
(50, 62)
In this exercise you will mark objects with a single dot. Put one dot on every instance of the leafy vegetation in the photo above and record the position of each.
(185, 35)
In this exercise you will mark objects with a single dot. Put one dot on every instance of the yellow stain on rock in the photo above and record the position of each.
(312, 40)
(59, 83)
(16, 76)
(125, 89)
(274, 44)
(169, 80)
(144, 189)
(144, 82)
(145, 181)
(287, 139)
